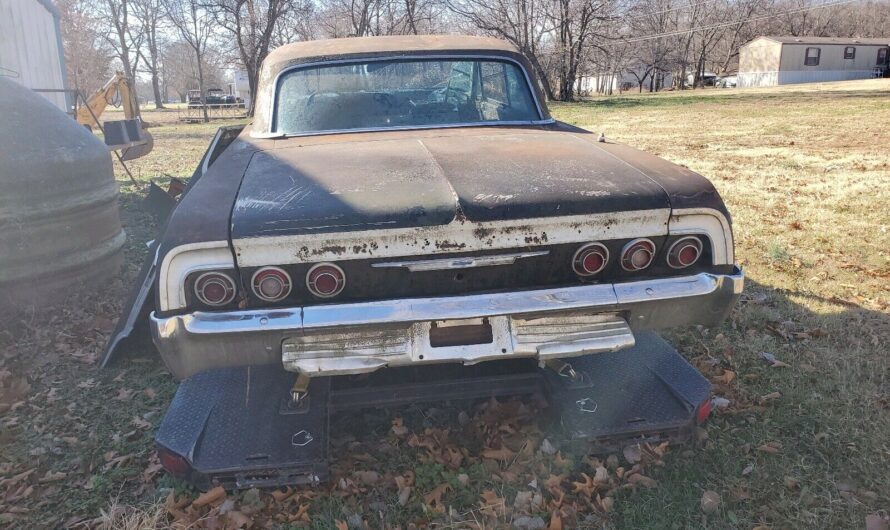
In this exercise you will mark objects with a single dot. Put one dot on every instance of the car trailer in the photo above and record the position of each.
(248, 427)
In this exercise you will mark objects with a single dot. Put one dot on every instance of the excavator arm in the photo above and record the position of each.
(100, 99)
(118, 87)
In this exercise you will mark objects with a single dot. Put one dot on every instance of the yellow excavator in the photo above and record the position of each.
(129, 136)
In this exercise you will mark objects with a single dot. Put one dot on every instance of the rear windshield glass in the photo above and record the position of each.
(402, 93)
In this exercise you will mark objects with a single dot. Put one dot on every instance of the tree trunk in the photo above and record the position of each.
(542, 76)
(156, 86)
(201, 87)
(253, 74)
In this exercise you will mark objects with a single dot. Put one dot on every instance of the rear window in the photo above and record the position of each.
(402, 94)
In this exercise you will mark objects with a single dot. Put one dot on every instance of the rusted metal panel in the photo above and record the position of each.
(59, 221)
(482, 175)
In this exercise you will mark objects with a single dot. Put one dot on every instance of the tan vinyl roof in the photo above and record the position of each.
(850, 41)
(299, 51)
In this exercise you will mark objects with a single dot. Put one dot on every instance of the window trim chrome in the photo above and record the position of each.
(273, 116)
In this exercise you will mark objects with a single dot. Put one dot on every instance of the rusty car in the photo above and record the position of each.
(410, 202)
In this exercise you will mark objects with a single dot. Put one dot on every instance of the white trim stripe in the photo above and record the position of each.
(457, 236)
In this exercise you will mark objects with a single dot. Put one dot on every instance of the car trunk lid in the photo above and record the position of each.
(420, 180)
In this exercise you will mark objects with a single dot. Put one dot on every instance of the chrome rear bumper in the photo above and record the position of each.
(362, 337)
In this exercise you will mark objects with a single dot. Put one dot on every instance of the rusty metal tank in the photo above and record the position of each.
(59, 223)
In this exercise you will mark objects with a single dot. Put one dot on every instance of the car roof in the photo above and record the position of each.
(402, 44)
(370, 48)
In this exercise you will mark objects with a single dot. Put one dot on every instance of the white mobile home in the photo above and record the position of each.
(768, 61)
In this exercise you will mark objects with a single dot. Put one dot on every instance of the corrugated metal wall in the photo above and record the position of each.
(30, 47)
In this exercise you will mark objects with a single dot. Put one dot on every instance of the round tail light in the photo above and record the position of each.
(215, 289)
(637, 255)
(590, 259)
(684, 252)
(325, 280)
(271, 284)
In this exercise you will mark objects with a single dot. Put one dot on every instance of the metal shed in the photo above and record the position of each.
(31, 48)
(769, 61)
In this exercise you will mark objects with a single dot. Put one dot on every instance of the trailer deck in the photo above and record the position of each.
(239, 427)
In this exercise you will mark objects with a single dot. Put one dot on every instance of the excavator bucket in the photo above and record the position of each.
(139, 150)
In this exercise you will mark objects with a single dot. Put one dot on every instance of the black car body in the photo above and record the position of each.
(410, 200)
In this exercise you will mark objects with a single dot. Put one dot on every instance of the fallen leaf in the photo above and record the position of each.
(554, 482)
(492, 504)
(236, 519)
(601, 476)
(770, 397)
(398, 428)
(209, 497)
(279, 495)
(341, 525)
(876, 522)
(770, 447)
(404, 490)
(587, 487)
(498, 454)
(433, 499)
(748, 469)
(642, 480)
(141, 424)
(367, 478)
(710, 501)
(633, 453)
(123, 394)
(791, 483)
(767, 356)
(547, 447)
(606, 503)
(725, 378)
(555, 521)
(52, 477)
(739, 494)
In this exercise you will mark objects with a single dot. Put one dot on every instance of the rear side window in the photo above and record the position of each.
(812, 58)
(850, 52)
(882, 56)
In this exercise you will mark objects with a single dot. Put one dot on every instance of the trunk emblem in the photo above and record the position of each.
(460, 263)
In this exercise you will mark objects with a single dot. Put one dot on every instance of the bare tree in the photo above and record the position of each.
(195, 26)
(124, 35)
(251, 24)
(575, 24)
(152, 17)
(299, 24)
(86, 52)
(522, 22)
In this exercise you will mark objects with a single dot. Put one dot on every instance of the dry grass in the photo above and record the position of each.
(805, 172)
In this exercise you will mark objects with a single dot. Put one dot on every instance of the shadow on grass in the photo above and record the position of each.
(832, 421)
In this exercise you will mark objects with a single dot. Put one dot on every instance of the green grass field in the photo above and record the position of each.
(805, 172)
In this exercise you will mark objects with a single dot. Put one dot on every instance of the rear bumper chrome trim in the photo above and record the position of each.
(197, 341)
